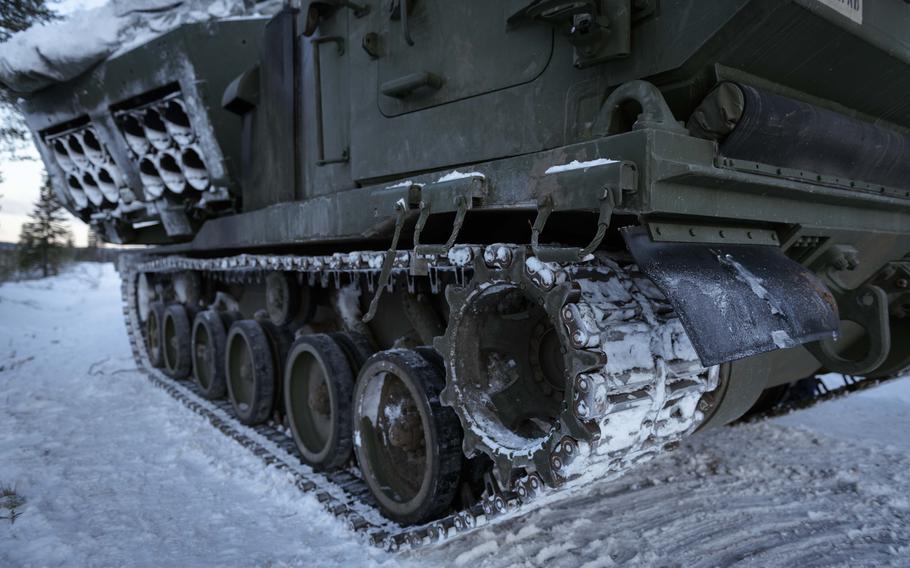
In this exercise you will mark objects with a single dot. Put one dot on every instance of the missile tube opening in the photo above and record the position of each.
(61, 154)
(131, 126)
(74, 188)
(109, 182)
(151, 178)
(197, 175)
(92, 191)
(177, 122)
(171, 174)
(94, 150)
(155, 130)
(76, 151)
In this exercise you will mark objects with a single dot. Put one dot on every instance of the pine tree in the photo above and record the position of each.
(94, 241)
(15, 16)
(44, 238)
(18, 15)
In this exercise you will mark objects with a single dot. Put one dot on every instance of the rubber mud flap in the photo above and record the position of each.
(736, 301)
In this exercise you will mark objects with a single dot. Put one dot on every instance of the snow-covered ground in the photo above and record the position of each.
(116, 473)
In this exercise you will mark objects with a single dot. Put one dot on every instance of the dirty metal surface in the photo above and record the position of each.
(736, 301)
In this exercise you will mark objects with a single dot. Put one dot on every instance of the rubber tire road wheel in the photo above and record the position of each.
(209, 339)
(282, 297)
(355, 346)
(318, 372)
(250, 372)
(442, 436)
(154, 332)
(176, 340)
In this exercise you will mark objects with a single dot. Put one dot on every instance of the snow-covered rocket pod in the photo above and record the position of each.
(128, 115)
(165, 148)
(91, 178)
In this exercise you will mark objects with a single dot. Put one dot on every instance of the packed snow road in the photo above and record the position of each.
(113, 472)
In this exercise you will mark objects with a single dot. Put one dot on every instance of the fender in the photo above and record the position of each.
(736, 301)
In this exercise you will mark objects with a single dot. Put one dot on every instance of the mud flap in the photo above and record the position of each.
(736, 301)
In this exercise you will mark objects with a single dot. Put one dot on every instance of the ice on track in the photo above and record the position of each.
(117, 473)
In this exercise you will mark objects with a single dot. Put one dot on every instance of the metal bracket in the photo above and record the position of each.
(600, 30)
(619, 176)
(458, 196)
(868, 307)
(661, 231)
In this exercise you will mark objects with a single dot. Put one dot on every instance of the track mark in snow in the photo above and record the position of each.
(757, 494)
(489, 547)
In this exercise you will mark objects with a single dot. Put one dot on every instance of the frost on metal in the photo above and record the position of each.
(456, 175)
(576, 165)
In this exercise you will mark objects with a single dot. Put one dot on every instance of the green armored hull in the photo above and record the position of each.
(482, 249)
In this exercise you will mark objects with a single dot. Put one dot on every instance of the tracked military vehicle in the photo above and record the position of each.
(461, 255)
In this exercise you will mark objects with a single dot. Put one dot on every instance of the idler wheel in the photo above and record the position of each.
(209, 341)
(154, 343)
(250, 372)
(407, 444)
(318, 386)
(176, 340)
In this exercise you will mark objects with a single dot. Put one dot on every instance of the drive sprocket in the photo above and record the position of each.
(567, 370)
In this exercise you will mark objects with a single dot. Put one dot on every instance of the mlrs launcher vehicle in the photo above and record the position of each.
(470, 253)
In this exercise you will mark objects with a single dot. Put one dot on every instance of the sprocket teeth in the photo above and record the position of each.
(544, 275)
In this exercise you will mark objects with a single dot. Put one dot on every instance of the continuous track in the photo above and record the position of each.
(343, 493)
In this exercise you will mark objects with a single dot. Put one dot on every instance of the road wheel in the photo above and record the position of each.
(153, 329)
(355, 346)
(407, 444)
(250, 372)
(318, 385)
(176, 337)
(209, 341)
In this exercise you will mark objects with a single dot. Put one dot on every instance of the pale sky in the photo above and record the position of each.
(22, 179)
